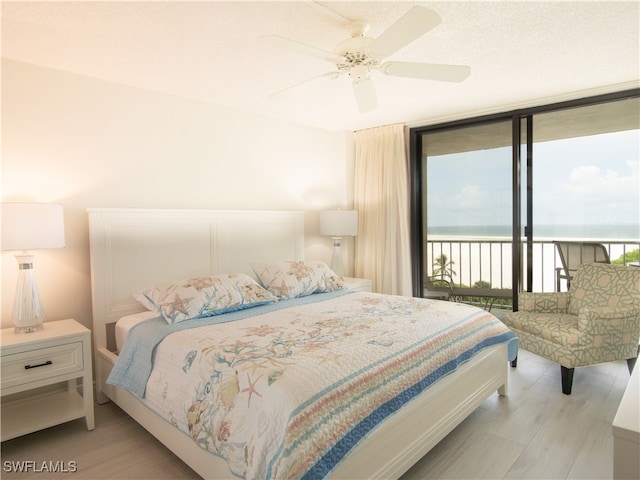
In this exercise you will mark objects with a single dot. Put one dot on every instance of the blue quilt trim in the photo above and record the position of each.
(340, 450)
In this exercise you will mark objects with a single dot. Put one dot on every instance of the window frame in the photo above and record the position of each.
(517, 117)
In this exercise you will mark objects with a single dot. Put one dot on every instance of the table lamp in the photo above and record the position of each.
(27, 227)
(337, 224)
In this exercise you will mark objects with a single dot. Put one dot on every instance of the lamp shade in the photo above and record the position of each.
(32, 226)
(339, 223)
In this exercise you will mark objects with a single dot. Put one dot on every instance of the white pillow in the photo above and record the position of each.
(297, 279)
(204, 296)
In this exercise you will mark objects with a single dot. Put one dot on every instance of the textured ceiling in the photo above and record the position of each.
(519, 52)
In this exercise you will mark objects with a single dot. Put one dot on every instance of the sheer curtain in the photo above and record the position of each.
(381, 196)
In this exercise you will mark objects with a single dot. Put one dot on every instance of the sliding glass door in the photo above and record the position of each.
(467, 209)
(490, 196)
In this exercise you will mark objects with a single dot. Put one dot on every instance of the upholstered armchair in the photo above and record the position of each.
(596, 321)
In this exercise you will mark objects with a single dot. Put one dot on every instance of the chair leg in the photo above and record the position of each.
(567, 379)
(631, 362)
(514, 362)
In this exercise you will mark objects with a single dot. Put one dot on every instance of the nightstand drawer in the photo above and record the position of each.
(42, 363)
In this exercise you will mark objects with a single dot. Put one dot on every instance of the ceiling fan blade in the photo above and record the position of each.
(426, 71)
(298, 47)
(303, 86)
(413, 24)
(365, 93)
(328, 12)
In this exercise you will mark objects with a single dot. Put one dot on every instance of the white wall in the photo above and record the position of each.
(83, 143)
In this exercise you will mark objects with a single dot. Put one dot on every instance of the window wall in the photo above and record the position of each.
(490, 195)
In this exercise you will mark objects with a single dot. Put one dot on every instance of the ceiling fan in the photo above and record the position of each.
(359, 55)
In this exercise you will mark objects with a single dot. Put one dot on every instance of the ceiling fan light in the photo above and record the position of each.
(359, 73)
(365, 93)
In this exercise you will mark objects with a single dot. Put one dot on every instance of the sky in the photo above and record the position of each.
(592, 180)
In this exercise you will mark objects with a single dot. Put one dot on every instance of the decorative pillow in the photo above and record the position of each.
(297, 279)
(204, 296)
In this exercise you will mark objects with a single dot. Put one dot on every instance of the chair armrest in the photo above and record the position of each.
(544, 302)
(438, 284)
(606, 320)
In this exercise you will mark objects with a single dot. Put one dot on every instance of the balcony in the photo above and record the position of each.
(482, 267)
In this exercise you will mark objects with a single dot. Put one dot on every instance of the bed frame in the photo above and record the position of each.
(134, 248)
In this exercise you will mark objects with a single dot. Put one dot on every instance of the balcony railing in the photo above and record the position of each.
(482, 268)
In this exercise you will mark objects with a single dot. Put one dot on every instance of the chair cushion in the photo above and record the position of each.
(559, 328)
(604, 285)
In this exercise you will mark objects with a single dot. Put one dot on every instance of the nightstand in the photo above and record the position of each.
(59, 353)
(357, 284)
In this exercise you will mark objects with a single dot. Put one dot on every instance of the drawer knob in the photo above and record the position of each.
(48, 362)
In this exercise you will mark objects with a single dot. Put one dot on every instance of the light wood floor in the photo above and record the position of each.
(535, 433)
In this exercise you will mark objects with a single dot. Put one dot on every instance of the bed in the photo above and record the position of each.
(367, 426)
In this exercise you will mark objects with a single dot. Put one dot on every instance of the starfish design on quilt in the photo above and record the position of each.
(331, 357)
(178, 305)
(257, 365)
(251, 389)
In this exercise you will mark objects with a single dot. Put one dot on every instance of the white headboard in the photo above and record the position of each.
(135, 248)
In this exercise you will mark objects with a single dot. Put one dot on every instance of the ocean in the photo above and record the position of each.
(621, 232)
